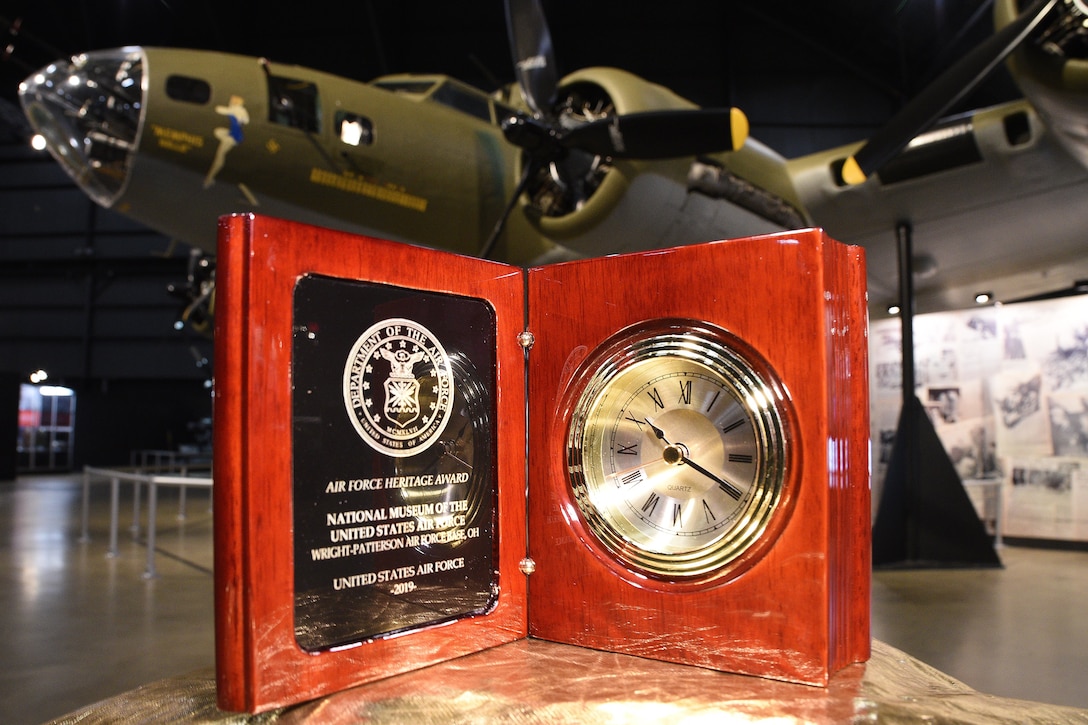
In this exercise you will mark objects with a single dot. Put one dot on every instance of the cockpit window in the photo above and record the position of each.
(412, 86)
(188, 90)
(293, 103)
(444, 91)
(464, 100)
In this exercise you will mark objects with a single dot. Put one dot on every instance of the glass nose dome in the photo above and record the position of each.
(88, 110)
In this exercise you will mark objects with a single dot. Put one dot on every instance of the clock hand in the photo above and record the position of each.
(729, 488)
(681, 452)
(449, 446)
(657, 431)
(457, 458)
(445, 448)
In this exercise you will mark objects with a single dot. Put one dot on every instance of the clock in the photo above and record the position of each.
(677, 450)
(421, 455)
(698, 455)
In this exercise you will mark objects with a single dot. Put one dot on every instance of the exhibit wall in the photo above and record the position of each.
(1006, 388)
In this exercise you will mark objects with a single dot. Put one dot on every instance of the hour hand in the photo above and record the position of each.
(657, 431)
(678, 454)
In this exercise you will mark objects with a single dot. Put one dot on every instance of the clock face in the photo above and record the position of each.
(677, 451)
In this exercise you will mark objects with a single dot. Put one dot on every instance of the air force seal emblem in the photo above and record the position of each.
(398, 387)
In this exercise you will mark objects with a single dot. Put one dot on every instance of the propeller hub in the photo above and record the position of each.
(539, 141)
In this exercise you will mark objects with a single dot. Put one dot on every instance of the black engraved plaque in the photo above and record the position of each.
(393, 460)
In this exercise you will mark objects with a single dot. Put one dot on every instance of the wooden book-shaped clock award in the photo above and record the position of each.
(421, 455)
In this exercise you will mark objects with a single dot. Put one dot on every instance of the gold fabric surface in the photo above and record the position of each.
(532, 681)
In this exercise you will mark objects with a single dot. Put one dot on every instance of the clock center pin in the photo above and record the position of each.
(675, 454)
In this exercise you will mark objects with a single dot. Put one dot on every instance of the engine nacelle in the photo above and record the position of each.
(1051, 68)
(575, 200)
(567, 197)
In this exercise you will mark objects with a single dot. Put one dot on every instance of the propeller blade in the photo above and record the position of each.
(949, 87)
(661, 134)
(531, 48)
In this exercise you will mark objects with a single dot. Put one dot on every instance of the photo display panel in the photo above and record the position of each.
(394, 485)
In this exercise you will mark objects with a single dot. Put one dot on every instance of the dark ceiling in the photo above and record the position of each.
(809, 75)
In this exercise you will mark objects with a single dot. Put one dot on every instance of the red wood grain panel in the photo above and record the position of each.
(800, 612)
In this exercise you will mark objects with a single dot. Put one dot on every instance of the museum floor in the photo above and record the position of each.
(78, 626)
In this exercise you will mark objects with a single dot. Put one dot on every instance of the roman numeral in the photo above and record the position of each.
(631, 450)
(685, 393)
(740, 458)
(634, 420)
(656, 397)
(712, 401)
(710, 517)
(733, 426)
(677, 521)
(651, 503)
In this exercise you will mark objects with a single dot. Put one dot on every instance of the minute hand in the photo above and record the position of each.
(729, 488)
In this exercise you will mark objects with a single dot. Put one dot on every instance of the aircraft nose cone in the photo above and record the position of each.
(88, 111)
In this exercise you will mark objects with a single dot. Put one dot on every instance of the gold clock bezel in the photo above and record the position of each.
(752, 382)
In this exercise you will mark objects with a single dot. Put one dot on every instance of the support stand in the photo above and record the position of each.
(925, 518)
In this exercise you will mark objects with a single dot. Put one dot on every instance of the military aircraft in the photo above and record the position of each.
(597, 162)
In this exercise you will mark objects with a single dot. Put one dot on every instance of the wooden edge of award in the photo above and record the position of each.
(798, 609)
(259, 662)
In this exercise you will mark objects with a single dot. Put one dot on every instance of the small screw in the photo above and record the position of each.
(526, 339)
(527, 566)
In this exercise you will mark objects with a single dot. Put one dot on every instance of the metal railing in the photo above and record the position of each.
(183, 479)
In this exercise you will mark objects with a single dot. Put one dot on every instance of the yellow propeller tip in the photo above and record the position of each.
(738, 122)
(852, 173)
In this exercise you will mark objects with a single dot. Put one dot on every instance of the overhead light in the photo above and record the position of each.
(983, 297)
(39, 376)
(893, 309)
(55, 391)
(37, 142)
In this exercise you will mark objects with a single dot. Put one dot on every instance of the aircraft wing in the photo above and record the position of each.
(993, 201)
